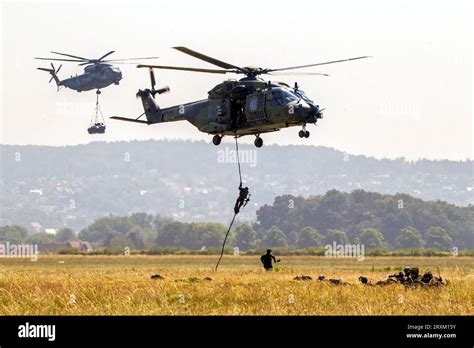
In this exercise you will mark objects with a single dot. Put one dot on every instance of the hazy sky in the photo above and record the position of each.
(413, 99)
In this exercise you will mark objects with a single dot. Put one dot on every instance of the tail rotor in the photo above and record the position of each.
(53, 72)
(153, 91)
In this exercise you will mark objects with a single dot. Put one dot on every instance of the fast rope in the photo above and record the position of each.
(225, 239)
(238, 159)
(233, 219)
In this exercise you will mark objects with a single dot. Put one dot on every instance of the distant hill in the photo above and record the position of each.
(196, 181)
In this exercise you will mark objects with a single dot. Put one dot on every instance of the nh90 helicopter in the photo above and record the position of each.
(98, 73)
(249, 106)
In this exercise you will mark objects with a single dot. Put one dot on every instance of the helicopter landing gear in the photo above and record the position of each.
(258, 141)
(216, 140)
(304, 133)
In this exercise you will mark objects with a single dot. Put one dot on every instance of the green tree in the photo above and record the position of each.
(371, 238)
(274, 237)
(309, 237)
(338, 236)
(104, 229)
(409, 238)
(40, 238)
(64, 235)
(14, 234)
(120, 243)
(438, 238)
(209, 234)
(136, 236)
(172, 234)
(245, 237)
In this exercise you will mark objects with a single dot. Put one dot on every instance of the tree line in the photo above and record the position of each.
(375, 220)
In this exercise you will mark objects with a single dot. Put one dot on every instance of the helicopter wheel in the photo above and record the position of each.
(258, 141)
(306, 134)
(301, 133)
(216, 140)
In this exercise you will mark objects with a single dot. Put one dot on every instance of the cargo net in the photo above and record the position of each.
(97, 124)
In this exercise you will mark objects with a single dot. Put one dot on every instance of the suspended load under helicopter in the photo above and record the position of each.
(97, 124)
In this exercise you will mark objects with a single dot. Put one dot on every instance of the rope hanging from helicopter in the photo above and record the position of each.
(242, 200)
(98, 116)
(97, 124)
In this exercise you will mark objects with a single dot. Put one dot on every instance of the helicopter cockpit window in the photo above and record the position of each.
(303, 95)
(282, 97)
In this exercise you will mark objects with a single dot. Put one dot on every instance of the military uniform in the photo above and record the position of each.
(267, 260)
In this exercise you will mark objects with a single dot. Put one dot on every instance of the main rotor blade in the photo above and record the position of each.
(208, 59)
(69, 55)
(166, 67)
(126, 59)
(105, 55)
(60, 59)
(297, 74)
(307, 66)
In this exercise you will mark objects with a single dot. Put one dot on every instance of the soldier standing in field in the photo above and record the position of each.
(268, 259)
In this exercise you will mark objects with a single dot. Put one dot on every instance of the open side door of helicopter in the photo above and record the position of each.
(255, 107)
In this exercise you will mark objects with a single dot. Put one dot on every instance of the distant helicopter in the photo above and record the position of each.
(98, 73)
(249, 106)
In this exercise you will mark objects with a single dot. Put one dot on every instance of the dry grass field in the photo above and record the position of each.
(121, 285)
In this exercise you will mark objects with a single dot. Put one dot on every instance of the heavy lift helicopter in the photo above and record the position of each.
(98, 74)
(249, 106)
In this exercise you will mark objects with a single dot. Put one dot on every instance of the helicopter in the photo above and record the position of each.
(249, 106)
(98, 73)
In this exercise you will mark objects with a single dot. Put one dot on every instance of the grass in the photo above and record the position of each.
(121, 285)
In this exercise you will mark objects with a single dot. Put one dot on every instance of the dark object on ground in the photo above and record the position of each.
(208, 279)
(336, 281)
(388, 281)
(157, 276)
(321, 277)
(303, 277)
(411, 277)
(399, 277)
(364, 280)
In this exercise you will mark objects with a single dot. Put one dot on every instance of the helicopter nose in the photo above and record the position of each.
(301, 112)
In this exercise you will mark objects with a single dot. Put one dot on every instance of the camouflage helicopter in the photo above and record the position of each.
(98, 73)
(249, 106)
